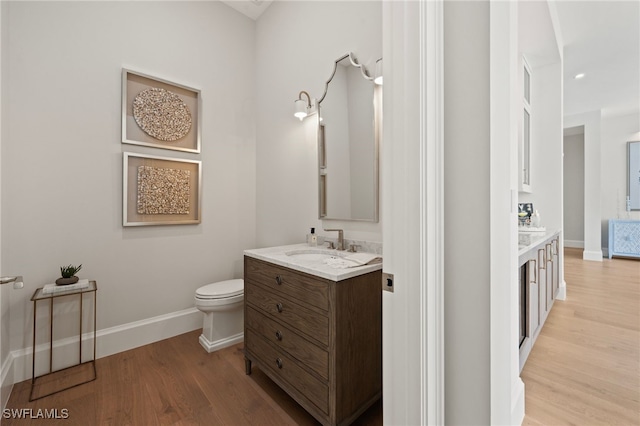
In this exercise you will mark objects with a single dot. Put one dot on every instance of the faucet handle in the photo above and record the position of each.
(340, 244)
(353, 248)
(330, 245)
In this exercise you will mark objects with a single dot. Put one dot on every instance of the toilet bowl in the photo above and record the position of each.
(222, 306)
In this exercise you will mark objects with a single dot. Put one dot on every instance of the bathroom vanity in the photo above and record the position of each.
(314, 330)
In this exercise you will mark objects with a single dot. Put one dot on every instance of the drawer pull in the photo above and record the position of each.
(279, 307)
(278, 335)
(278, 280)
(279, 362)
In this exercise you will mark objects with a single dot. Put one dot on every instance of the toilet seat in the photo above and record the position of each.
(221, 290)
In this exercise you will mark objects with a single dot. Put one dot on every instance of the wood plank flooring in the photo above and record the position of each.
(585, 366)
(173, 382)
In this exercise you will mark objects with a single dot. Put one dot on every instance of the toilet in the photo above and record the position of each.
(222, 305)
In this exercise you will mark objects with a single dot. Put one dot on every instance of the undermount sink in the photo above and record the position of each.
(314, 255)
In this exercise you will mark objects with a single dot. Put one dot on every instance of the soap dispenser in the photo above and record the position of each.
(535, 219)
(312, 238)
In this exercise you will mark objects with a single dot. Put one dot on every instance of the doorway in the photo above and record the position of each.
(574, 179)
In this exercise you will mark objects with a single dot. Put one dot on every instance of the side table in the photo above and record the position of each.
(624, 238)
(39, 296)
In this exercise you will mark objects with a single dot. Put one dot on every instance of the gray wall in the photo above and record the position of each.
(62, 151)
(574, 190)
(466, 189)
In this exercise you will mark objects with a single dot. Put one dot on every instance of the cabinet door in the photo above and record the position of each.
(550, 274)
(542, 283)
(534, 299)
(556, 267)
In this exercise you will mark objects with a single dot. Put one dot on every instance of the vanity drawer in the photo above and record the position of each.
(306, 321)
(285, 368)
(312, 290)
(283, 337)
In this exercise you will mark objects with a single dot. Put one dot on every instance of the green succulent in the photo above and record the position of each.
(69, 271)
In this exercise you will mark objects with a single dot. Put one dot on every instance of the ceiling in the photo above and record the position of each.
(601, 39)
(251, 8)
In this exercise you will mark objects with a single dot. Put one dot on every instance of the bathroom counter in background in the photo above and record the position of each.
(279, 256)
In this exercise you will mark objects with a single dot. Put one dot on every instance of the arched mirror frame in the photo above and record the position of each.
(321, 136)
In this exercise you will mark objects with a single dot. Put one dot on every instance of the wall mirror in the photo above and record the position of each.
(633, 187)
(349, 117)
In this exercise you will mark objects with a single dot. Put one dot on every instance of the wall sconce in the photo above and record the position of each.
(377, 79)
(304, 108)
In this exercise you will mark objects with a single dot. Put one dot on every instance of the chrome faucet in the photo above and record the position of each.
(340, 245)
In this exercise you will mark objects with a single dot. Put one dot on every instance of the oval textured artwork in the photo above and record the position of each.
(162, 114)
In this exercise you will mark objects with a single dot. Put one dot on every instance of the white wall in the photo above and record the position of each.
(546, 145)
(5, 384)
(616, 132)
(297, 44)
(62, 151)
(574, 190)
(466, 189)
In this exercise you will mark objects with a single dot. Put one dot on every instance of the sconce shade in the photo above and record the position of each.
(301, 109)
(378, 72)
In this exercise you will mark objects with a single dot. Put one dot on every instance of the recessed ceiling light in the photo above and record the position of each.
(579, 76)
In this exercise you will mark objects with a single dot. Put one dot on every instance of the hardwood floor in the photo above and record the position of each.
(173, 382)
(585, 366)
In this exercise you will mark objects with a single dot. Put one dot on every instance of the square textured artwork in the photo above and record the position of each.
(163, 191)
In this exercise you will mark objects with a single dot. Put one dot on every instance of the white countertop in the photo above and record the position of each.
(278, 255)
(536, 239)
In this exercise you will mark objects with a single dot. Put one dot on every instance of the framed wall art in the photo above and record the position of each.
(159, 113)
(160, 190)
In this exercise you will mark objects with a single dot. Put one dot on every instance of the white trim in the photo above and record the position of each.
(562, 291)
(574, 243)
(220, 344)
(595, 255)
(411, 182)
(6, 386)
(109, 341)
(139, 333)
(506, 387)
(432, 410)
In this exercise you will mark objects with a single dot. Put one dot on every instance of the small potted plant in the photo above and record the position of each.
(68, 275)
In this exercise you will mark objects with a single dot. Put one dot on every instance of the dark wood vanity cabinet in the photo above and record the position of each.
(319, 340)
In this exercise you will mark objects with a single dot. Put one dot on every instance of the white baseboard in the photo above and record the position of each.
(574, 244)
(139, 333)
(6, 382)
(517, 403)
(109, 341)
(220, 344)
(562, 291)
(592, 255)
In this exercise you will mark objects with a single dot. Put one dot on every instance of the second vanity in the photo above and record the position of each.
(315, 330)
